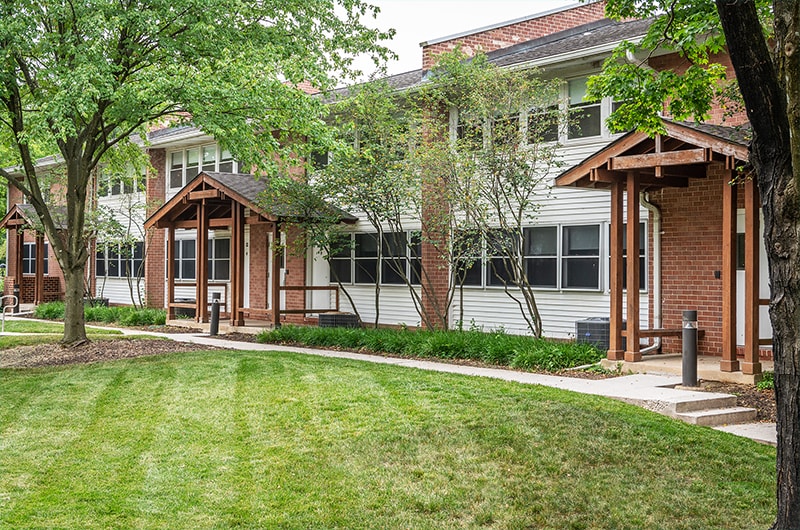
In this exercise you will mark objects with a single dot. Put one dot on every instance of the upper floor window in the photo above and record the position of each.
(111, 185)
(584, 117)
(29, 258)
(184, 165)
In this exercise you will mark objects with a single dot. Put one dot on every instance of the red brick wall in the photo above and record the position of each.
(259, 266)
(691, 253)
(296, 275)
(509, 35)
(719, 115)
(156, 254)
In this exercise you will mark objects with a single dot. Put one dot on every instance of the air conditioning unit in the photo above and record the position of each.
(594, 330)
(342, 320)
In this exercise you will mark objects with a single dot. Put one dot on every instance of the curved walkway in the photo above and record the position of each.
(651, 391)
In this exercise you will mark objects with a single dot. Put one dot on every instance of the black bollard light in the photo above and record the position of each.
(689, 358)
(16, 299)
(214, 326)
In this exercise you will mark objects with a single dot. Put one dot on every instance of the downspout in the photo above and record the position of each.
(655, 213)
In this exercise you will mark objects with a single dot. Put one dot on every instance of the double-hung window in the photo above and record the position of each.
(366, 258)
(219, 259)
(580, 257)
(541, 256)
(184, 165)
(340, 260)
(400, 258)
(29, 258)
(502, 248)
(185, 259)
(119, 261)
(584, 117)
(467, 253)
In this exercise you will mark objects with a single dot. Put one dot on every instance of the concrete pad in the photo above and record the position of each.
(761, 432)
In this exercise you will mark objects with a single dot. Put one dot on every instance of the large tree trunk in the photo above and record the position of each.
(74, 319)
(772, 95)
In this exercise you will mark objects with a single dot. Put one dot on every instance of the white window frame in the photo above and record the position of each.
(29, 250)
(221, 157)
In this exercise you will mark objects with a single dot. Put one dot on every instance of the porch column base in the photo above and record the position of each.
(751, 368)
(615, 355)
(633, 356)
(729, 366)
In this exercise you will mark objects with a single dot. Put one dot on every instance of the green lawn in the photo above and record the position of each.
(277, 440)
(46, 332)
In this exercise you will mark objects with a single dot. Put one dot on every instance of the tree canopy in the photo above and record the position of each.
(78, 79)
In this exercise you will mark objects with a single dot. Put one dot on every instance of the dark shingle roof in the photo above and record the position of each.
(582, 37)
(250, 187)
(740, 134)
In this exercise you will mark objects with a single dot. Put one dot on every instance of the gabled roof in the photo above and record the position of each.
(25, 216)
(218, 189)
(684, 152)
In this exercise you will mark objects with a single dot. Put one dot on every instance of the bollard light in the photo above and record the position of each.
(689, 357)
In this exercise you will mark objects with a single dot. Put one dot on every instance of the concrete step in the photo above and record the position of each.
(720, 416)
(699, 402)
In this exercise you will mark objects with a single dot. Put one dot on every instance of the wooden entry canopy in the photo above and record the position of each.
(225, 200)
(634, 163)
(23, 217)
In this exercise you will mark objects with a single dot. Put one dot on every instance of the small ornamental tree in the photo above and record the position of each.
(763, 41)
(502, 152)
(78, 78)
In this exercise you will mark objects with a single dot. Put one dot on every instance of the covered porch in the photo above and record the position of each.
(29, 273)
(225, 201)
(694, 169)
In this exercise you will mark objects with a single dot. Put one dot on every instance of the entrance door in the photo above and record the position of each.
(765, 328)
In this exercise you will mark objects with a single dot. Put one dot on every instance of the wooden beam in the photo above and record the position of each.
(669, 158)
(184, 224)
(607, 176)
(220, 222)
(205, 194)
(38, 287)
(276, 276)
(237, 264)
(616, 351)
(20, 246)
(696, 137)
(752, 363)
(170, 273)
(633, 352)
(729, 363)
(201, 264)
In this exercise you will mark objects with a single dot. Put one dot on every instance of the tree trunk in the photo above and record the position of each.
(772, 95)
(74, 320)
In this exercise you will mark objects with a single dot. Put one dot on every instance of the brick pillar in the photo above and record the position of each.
(155, 250)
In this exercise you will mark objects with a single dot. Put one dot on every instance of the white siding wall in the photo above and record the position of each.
(129, 211)
(490, 307)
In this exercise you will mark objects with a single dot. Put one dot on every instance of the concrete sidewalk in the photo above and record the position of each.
(650, 391)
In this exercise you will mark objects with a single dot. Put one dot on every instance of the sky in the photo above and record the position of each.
(418, 21)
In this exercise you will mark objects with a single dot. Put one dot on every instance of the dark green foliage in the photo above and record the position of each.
(767, 382)
(124, 315)
(496, 348)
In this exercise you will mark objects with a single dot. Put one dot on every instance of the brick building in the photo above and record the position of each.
(690, 235)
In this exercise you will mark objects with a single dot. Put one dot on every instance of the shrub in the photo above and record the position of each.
(50, 311)
(767, 381)
(497, 347)
(124, 315)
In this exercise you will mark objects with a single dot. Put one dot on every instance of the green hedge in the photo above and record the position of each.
(496, 348)
(123, 315)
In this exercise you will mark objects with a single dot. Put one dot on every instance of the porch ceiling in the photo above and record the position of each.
(667, 160)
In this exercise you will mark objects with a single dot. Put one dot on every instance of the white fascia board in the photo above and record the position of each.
(191, 136)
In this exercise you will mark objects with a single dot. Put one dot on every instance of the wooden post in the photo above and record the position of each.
(38, 286)
(201, 266)
(170, 272)
(20, 248)
(616, 351)
(632, 353)
(237, 263)
(729, 363)
(276, 275)
(751, 364)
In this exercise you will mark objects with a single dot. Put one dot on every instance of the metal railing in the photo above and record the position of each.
(5, 309)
